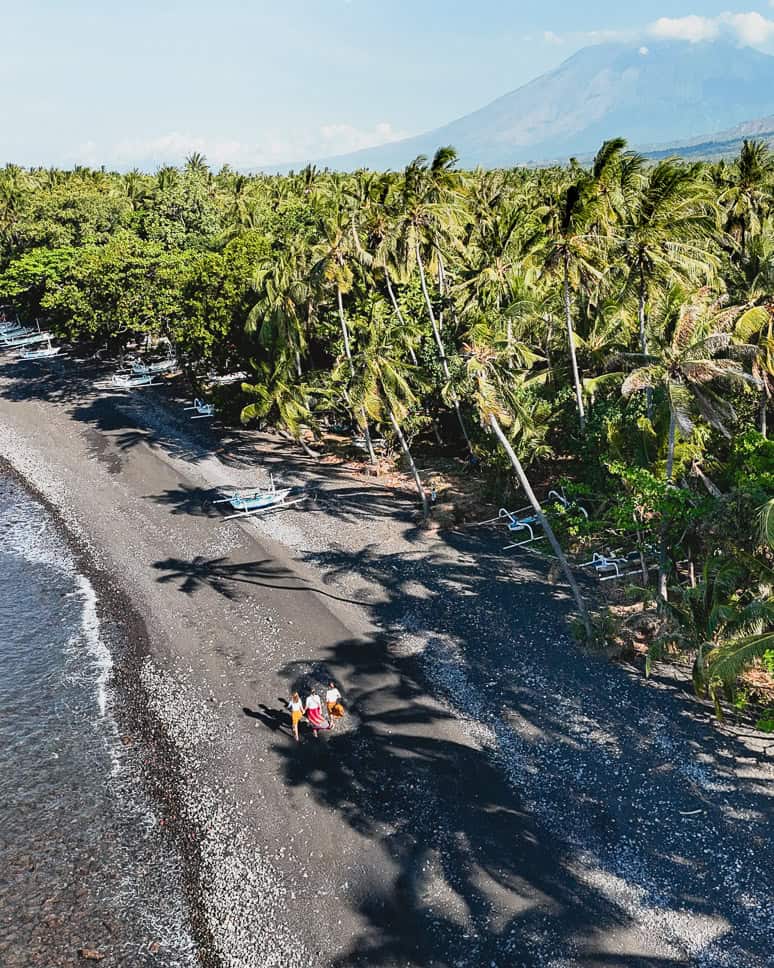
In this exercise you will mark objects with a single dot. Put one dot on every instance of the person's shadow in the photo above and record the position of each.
(275, 719)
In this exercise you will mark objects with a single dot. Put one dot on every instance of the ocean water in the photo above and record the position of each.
(84, 860)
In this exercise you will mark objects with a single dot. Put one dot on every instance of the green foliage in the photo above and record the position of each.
(117, 292)
(468, 300)
(751, 465)
(27, 279)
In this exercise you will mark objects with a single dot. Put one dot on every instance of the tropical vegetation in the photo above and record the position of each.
(605, 331)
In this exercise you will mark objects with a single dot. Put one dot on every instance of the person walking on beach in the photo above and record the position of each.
(314, 712)
(333, 704)
(297, 711)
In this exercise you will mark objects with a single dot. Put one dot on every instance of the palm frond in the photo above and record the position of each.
(727, 661)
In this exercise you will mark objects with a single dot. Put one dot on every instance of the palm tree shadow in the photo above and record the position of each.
(226, 577)
(448, 825)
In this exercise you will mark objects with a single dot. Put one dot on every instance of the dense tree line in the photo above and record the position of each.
(608, 325)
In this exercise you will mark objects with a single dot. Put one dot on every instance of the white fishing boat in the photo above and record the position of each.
(14, 330)
(25, 340)
(155, 368)
(46, 353)
(259, 500)
(224, 379)
(124, 381)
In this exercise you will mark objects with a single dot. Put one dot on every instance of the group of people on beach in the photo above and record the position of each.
(311, 710)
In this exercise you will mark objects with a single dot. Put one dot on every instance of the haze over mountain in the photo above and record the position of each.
(662, 93)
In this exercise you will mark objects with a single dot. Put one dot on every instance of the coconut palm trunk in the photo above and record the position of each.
(439, 342)
(549, 532)
(662, 550)
(297, 439)
(571, 341)
(763, 415)
(348, 354)
(641, 303)
(412, 465)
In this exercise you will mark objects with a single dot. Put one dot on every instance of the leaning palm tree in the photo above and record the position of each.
(687, 371)
(496, 404)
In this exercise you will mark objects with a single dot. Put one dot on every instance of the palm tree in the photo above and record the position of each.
(571, 236)
(331, 268)
(496, 278)
(747, 196)
(756, 326)
(283, 312)
(666, 236)
(425, 209)
(381, 386)
(196, 165)
(278, 391)
(685, 370)
(494, 394)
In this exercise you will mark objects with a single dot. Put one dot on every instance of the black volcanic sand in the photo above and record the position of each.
(495, 796)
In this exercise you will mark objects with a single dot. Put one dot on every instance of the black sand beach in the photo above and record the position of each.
(494, 797)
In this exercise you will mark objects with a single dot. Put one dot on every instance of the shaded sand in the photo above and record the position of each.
(494, 797)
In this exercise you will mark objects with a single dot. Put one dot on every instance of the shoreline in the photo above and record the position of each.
(546, 754)
(128, 644)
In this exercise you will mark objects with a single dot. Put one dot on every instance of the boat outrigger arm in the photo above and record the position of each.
(202, 408)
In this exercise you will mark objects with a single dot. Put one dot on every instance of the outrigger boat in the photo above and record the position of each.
(154, 369)
(124, 381)
(47, 353)
(225, 378)
(518, 522)
(25, 340)
(14, 330)
(259, 500)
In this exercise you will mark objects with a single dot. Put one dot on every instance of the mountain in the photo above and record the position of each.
(721, 144)
(661, 94)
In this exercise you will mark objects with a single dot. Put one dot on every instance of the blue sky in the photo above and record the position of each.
(254, 82)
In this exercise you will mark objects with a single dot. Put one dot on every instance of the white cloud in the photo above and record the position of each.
(748, 29)
(752, 29)
(644, 51)
(691, 28)
(272, 148)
